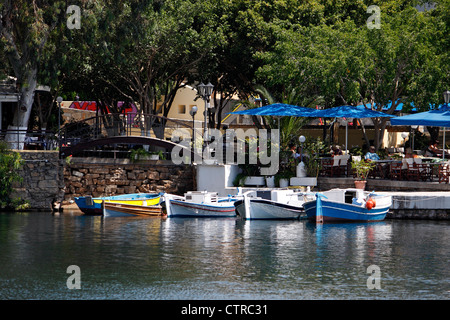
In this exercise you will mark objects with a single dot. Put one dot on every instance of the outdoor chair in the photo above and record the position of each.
(327, 166)
(340, 165)
(396, 169)
(425, 169)
(416, 170)
(444, 172)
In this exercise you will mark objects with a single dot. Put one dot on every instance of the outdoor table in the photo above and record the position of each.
(382, 165)
(430, 159)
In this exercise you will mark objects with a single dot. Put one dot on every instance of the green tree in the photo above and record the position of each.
(344, 62)
(10, 163)
(25, 30)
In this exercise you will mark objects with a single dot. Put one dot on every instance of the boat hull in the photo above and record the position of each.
(339, 212)
(262, 209)
(93, 206)
(180, 208)
(114, 209)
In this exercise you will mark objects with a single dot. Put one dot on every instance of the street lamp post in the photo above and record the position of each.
(205, 91)
(302, 139)
(59, 100)
(193, 113)
(446, 100)
(301, 172)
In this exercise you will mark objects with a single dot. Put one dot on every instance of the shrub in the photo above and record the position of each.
(10, 163)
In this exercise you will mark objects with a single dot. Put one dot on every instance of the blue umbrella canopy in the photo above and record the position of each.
(433, 118)
(350, 112)
(278, 109)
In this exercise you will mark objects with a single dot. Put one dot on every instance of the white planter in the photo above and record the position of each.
(301, 171)
(270, 182)
(306, 181)
(254, 181)
(284, 183)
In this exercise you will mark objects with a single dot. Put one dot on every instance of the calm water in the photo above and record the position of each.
(151, 258)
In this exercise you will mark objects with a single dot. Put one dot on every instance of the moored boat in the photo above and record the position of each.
(93, 206)
(284, 204)
(199, 204)
(116, 209)
(348, 205)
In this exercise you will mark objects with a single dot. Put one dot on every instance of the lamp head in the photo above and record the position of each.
(447, 96)
(209, 89)
(201, 89)
(193, 111)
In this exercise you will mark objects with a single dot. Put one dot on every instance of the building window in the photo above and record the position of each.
(181, 109)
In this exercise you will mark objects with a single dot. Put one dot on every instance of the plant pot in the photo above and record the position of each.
(270, 182)
(360, 184)
(284, 183)
(254, 181)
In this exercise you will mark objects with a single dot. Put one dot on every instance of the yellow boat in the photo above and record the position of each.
(93, 206)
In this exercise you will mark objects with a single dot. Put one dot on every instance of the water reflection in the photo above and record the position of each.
(186, 258)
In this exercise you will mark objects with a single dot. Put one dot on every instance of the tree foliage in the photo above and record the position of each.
(10, 163)
(144, 51)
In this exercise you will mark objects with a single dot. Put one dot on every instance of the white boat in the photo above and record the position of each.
(348, 205)
(119, 209)
(199, 204)
(284, 204)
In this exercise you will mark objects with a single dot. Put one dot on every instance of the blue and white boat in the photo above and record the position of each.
(94, 206)
(341, 205)
(199, 204)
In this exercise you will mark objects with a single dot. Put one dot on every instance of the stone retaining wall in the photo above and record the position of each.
(99, 177)
(43, 182)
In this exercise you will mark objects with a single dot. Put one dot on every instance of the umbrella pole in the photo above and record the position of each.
(346, 136)
(443, 147)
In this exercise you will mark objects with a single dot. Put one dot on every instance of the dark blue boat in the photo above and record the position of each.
(348, 205)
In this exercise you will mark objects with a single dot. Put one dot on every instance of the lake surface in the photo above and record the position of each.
(209, 259)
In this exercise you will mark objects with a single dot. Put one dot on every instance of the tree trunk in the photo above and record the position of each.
(17, 131)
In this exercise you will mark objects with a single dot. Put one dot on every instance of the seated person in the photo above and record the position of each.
(336, 151)
(292, 149)
(371, 154)
(409, 153)
(433, 150)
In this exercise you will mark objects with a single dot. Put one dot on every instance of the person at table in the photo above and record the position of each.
(371, 154)
(336, 151)
(433, 150)
(409, 153)
(293, 150)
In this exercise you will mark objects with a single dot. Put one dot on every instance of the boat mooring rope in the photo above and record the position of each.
(412, 200)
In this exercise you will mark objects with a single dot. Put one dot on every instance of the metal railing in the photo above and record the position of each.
(30, 139)
(113, 125)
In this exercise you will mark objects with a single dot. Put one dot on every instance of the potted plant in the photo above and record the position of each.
(362, 169)
(157, 155)
(282, 177)
(142, 154)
